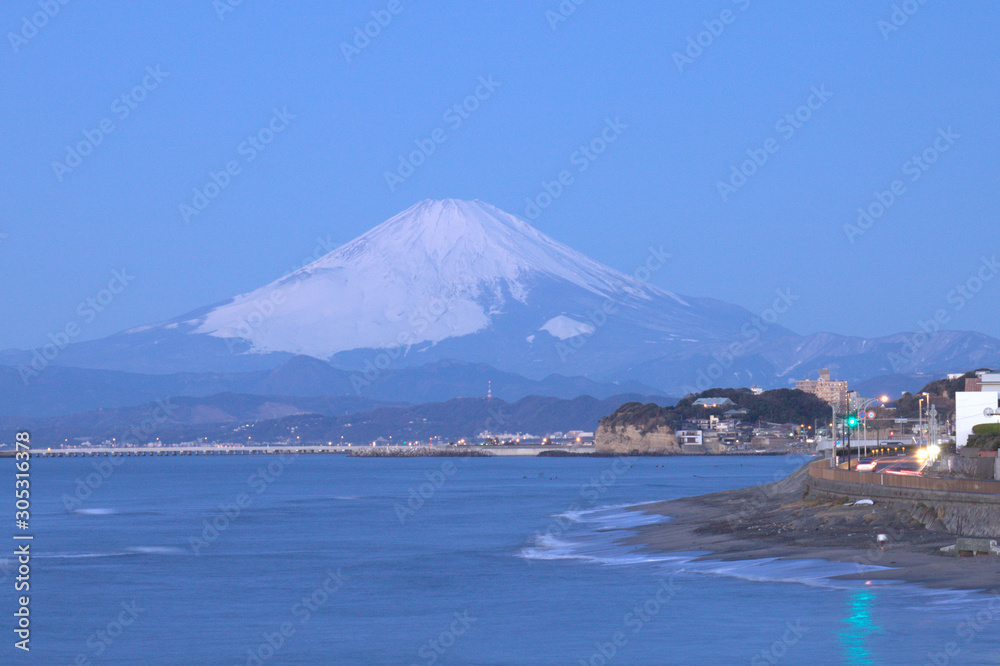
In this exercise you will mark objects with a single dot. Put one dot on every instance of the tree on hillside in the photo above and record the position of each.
(775, 406)
(942, 392)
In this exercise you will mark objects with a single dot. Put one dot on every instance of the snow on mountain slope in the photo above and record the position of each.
(564, 328)
(438, 270)
(463, 281)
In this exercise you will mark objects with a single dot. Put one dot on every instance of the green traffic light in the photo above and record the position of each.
(852, 421)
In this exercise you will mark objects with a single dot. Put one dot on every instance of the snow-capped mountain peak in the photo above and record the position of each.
(465, 241)
(440, 269)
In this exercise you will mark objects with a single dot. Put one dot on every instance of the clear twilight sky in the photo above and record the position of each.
(842, 104)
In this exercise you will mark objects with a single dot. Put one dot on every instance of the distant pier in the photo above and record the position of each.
(179, 451)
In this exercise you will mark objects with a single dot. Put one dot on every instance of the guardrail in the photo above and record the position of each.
(821, 469)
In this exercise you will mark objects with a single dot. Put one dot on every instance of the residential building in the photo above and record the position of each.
(714, 402)
(689, 437)
(832, 392)
(989, 381)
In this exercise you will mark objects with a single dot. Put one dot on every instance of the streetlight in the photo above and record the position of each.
(920, 417)
(883, 399)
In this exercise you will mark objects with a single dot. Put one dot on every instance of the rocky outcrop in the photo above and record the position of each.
(623, 439)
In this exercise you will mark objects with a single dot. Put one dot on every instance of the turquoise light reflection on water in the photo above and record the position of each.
(859, 628)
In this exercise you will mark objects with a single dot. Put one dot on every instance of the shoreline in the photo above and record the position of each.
(367, 451)
(779, 520)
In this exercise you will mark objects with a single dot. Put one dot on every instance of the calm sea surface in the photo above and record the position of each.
(331, 560)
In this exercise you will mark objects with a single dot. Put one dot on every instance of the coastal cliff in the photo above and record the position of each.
(636, 428)
(630, 439)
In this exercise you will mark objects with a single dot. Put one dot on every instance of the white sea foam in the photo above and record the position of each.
(97, 511)
(595, 535)
(127, 552)
(591, 535)
(153, 550)
(74, 556)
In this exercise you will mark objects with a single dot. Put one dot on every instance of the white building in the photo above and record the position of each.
(689, 437)
(990, 381)
(969, 407)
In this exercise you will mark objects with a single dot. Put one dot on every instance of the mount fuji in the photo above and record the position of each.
(464, 281)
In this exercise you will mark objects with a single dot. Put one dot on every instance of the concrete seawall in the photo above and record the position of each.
(963, 513)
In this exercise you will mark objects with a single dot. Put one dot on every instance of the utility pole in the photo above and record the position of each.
(920, 422)
(878, 434)
(932, 417)
(833, 437)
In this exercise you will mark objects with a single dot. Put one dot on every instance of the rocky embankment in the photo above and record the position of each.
(792, 519)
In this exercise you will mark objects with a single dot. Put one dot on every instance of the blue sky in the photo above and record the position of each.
(197, 84)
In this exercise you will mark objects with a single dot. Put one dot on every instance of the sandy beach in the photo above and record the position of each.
(779, 520)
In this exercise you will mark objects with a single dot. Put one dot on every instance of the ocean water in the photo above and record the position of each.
(252, 560)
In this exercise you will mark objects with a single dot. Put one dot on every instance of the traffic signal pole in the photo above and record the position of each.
(848, 447)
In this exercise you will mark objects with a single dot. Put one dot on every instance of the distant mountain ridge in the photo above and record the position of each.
(230, 417)
(453, 281)
(61, 390)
